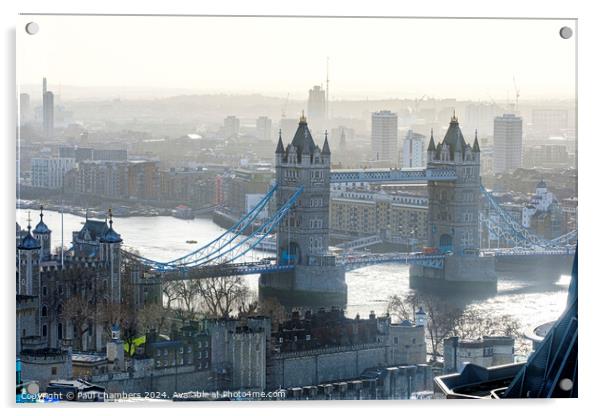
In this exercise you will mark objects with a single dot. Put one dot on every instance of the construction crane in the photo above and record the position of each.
(516, 94)
(417, 102)
(285, 106)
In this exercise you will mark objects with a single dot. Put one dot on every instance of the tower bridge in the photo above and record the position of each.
(304, 271)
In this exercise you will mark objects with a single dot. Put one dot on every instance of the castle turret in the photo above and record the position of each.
(110, 250)
(421, 317)
(115, 349)
(42, 233)
(28, 256)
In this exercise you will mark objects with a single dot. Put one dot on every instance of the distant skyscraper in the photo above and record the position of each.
(384, 136)
(231, 126)
(24, 108)
(507, 143)
(264, 128)
(413, 151)
(47, 110)
(316, 109)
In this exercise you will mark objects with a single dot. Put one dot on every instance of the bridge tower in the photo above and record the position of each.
(303, 234)
(453, 217)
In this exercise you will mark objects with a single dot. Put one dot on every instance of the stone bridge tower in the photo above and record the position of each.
(453, 216)
(303, 235)
(453, 219)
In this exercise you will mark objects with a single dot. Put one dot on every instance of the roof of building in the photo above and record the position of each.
(432, 143)
(41, 228)
(303, 140)
(280, 146)
(95, 228)
(454, 137)
(88, 358)
(326, 147)
(475, 145)
(111, 236)
(29, 242)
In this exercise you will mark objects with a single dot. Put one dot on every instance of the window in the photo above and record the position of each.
(44, 331)
(44, 291)
(59, 309)
(53, 371)
(396, 340)
(44, 311)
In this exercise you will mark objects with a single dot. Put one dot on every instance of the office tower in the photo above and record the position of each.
(384, 137)
(412, 152)
(507, 143)
(231, 127)
(264, 128)
(47, 110)
(316, 109)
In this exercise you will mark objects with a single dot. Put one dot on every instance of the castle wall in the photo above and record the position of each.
(168, 380)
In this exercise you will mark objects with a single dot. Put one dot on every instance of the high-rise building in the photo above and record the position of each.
(47, 110)
(316, 109)
(507, 143)
(264, 128)
(384, 137)
(413, 151)
(231, 127)
(24, 108)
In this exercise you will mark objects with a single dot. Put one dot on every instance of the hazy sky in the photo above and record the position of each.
(374, 58)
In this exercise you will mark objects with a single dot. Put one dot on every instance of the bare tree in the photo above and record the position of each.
(152, 316)
(445, 320)
(81, 312)
(442, 317)
(221, 296)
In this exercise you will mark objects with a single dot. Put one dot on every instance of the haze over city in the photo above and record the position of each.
(369, 58)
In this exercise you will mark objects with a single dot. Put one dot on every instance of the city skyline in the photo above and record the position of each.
(360, 64)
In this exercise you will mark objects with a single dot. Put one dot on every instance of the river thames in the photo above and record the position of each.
(531, 300)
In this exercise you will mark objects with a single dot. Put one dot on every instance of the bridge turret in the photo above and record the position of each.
(454, 205)
(432, 149)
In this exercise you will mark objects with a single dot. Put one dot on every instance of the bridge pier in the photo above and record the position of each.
(306, 286)
(536, 267)
(465, 274)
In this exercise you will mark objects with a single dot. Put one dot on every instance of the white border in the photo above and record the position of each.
(589, 33)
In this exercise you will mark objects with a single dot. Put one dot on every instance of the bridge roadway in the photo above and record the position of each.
(351, 261)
